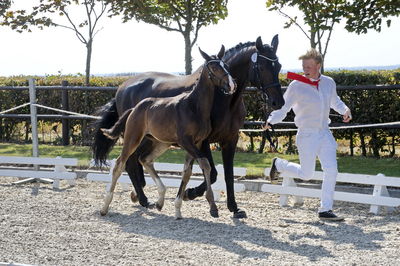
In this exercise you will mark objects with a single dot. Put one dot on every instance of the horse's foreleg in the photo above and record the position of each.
(187, 172)
(117, 171)
(147, 162)
(205, 166)
(198, 191)
(228, 153)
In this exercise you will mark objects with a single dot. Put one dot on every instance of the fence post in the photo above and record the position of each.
(65, 106)
(32, 100)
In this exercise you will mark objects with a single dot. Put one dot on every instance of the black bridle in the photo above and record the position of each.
(256, 71)
(214, 77)
(254, 58)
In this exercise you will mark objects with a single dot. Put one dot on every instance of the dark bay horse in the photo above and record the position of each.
(252, 63)
(183, 119)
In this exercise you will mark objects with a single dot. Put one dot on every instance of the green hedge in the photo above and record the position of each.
(367, 106)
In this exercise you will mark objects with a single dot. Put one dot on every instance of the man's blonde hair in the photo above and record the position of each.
(312, 54)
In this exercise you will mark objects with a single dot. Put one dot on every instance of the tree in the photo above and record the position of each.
(4, 6)
(369, 14)
(184, 16)
(321, 17)
(45, 15)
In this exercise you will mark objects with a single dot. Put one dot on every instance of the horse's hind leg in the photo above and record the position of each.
(148, 163)
(135, 172)
(187, 172)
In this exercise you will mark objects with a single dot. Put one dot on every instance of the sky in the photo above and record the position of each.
(138, 47)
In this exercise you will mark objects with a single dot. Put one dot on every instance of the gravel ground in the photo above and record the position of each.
(42, 226)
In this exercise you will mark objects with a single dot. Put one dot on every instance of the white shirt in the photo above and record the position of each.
(310, 105)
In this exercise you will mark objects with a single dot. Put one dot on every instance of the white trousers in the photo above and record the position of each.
(310, 144)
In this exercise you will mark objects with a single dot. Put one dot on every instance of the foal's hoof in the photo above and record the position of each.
(103, 213)
(214, 213)
(134, 197)
(239, 214)
(159, 207)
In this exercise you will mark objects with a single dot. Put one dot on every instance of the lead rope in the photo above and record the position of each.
(268, 134)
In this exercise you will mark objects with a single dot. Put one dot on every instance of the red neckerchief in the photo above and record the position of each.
(294, 76)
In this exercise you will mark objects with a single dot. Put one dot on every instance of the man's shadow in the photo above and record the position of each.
(197, 231)
(341, 233)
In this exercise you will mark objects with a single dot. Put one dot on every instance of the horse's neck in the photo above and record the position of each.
(239, 69)
(202, 95)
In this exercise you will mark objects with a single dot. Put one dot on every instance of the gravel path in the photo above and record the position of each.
(42, 226)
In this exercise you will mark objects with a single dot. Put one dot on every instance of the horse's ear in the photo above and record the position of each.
(259, 44)
(204, 55)
(274, 43)
(221, 52)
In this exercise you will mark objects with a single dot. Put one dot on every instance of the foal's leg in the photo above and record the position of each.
(204, 164)
(117, 171)
(192, 193)
(132, 140)
(187, 172)
(148, 163)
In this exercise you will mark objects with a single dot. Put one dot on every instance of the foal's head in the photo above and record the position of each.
(265, 71)
(218, 73)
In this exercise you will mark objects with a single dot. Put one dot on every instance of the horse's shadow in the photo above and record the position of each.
(226, 236)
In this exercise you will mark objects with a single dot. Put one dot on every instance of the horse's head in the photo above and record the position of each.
(218, 73)
(264, 72)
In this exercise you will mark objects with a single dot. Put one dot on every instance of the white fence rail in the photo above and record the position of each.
(171, 176)
(58, 172)
(379, 198)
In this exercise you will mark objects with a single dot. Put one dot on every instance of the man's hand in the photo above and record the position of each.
(347, 116)
(266, 126)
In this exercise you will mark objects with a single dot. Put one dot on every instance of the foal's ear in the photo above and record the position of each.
(259, 44)
(274, 43)
(221, 52)
(204, 55)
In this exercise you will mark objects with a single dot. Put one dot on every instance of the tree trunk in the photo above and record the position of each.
(188, 53)
(262, 144)
(351, 143)
(393, 152)
(363, 147)
(88, 60)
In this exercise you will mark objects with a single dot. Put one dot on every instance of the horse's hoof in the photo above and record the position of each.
(190, 194)
(178, 218)
(214, 213)
(239, 214)
(103, 213)
(134, 197)
(159, 207)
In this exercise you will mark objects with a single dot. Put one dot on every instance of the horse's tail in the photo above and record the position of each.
(119, 127)
(102, 145)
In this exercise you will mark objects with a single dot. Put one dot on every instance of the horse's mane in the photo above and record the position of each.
(231, 55)
(238, 49)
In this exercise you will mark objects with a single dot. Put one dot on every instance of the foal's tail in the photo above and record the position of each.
(119, 127)
(102, 145)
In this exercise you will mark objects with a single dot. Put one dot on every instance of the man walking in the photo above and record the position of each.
(311, 96)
